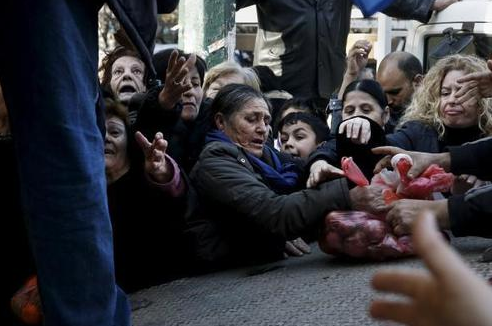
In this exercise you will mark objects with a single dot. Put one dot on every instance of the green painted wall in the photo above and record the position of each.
(207, 27)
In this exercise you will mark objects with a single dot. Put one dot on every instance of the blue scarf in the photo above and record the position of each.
(282, 178)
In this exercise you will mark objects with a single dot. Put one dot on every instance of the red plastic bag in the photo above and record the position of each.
(363, 235)
(433, 179)
(26, 303)
(353, 173)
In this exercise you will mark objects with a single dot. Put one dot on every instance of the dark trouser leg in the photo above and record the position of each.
(48, 68)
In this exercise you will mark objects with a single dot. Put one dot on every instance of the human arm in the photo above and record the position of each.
(403, 213)
(356, 61)
(175, 83)
(416, 9)
(442, 4)
(357, 129)
(321, 171)
(469, 214)
(297, 247)
(472, 158)
(160, 169)
(478, 84)
(464, 215)
(449, 294)
(151, 118)
(465, 182)
(236, 186)
(421, 161)
(322, 164)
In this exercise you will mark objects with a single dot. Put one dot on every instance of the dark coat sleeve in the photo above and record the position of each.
(471, 214)
(225, 178)
(166, 6)
(420, 10)
(473, 158)
(415, 136)
(327, 151)
(152, 118)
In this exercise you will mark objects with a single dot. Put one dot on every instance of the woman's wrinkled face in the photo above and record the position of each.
(298, 139)
(456, 115)
(220, 82)
(115, 146)
(249, 126)
(359, 103)
(127, 75)
(192, 98)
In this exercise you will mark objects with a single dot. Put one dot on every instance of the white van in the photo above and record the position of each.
(464, 27)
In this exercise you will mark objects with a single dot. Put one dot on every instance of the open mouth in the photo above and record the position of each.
(108, 151)
(258, 142)
(127, 89)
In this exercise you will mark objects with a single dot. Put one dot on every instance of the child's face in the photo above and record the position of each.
(298, 139)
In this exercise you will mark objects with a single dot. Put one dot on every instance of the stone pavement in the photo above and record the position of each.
(316, 289)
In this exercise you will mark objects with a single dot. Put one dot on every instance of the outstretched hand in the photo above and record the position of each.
(475, 85)
(421, 161)
(449, 294)
(156, 165)
(368, 199)
(358, 56)
(404, 213)
(358, 130)
(176, 82)
(321, 171)
(297, 247)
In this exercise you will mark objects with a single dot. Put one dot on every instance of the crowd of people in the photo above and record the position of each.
(140, 182)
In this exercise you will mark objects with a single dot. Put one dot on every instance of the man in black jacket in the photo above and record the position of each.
(304, 42)
(48, 69)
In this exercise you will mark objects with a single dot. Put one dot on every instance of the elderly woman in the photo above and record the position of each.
(123, 74)
(176, 108)
(253, 199)
(228, 73)
(147, 201)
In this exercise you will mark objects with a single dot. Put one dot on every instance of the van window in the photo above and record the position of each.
(480, 46)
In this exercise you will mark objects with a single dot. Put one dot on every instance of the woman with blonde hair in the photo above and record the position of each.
(426, 103)
(228, 72)
(435, 119)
